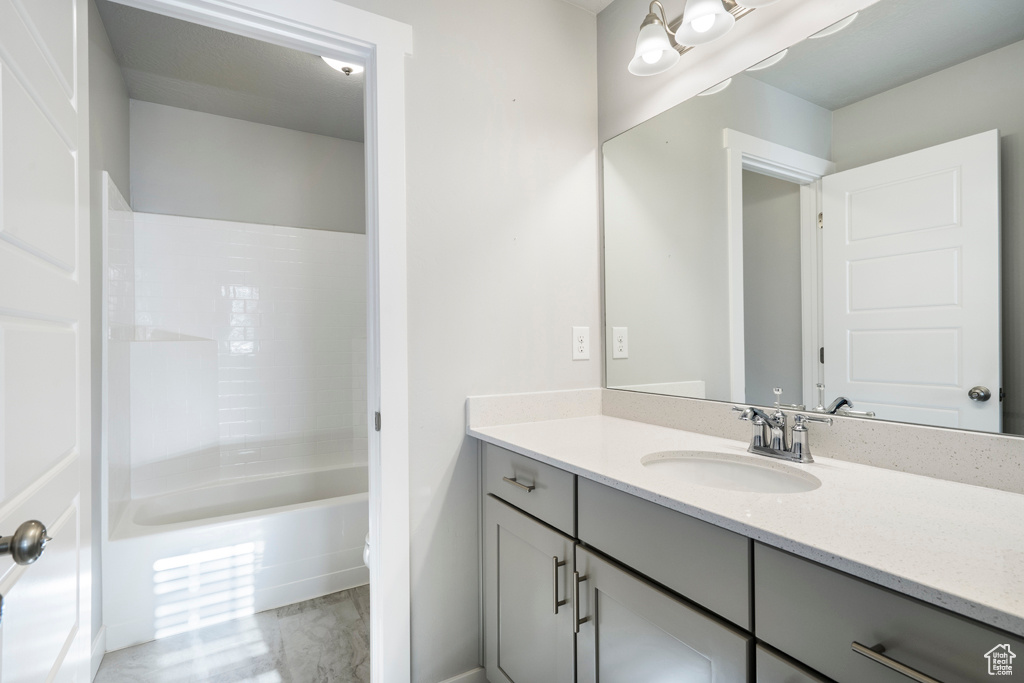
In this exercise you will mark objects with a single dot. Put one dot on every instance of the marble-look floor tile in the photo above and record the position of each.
(327, 642)
(325, 639)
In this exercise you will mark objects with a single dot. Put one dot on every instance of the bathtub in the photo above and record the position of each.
(193, 558)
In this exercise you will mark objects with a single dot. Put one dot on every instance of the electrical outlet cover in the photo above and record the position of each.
(620, 342)
(581, 343)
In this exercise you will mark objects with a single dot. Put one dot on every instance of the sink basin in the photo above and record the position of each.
(730, 472)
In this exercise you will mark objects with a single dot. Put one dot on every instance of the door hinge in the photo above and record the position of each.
(376, 422)
(821, 221)
(821, 355)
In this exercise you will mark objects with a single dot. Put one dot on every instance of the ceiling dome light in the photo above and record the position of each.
(716, 88)
(654, 52)
(834, 28)
(704, 21)
(771, 61)
(347, 68)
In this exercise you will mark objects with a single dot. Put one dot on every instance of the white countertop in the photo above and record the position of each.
(954, 545)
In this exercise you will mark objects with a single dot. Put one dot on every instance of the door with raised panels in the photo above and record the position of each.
(631, 631)
(911, 285)
(528, 608)
(44, 334)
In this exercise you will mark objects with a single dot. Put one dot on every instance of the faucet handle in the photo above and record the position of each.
(802, 419)
(778, 396)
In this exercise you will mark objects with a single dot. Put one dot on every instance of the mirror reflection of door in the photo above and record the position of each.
(911, 284)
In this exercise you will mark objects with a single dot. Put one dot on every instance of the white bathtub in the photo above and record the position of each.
(193, 558)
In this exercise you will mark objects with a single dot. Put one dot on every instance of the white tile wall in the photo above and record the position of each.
(286, 309)
(119, 287)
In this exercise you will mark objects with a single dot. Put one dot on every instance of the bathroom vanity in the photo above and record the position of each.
(601, 563)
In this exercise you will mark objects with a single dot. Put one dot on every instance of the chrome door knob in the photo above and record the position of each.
(979, 394)
(27, 543)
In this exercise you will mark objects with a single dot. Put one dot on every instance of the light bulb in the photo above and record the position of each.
(703, 24)
(651, 57)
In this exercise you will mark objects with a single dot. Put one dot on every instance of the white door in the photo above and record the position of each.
(911, 285)
(44, 335)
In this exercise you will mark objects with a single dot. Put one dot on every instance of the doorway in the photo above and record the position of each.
(321, 27)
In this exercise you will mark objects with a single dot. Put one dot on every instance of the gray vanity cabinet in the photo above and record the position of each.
(631, 631)
(818, 615)
(528, 638)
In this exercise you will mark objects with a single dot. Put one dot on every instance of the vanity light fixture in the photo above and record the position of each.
(347, 68)
(702, 22)
(834, 28)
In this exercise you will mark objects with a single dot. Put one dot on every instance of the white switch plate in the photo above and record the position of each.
(620, 342)
(581, 343)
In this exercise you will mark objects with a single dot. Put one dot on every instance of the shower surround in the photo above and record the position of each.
(235, 412)
(250, 351)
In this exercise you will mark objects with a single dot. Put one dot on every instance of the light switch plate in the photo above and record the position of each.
(581, 343)
(620, 342)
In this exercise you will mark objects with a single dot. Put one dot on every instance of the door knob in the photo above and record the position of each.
(980, 394)
(27, 543)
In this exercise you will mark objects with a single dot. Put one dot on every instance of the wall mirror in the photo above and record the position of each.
(848, 213)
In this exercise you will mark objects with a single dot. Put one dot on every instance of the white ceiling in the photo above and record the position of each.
(891, 43)
(174, 62)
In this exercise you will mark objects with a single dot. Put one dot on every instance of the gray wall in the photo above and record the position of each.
(666, 259)
(772, 320)
(503, 248)
(973, 97)
(188, 163)
(108, 143)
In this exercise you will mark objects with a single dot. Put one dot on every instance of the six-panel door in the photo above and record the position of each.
(632, 631)
(527, 571)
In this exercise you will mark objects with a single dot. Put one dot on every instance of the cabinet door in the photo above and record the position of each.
(527, 570)
(633, 631)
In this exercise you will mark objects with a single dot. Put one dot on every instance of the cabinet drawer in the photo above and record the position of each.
(702, 562)
(815, 614)
(771, 668)
(546, 492)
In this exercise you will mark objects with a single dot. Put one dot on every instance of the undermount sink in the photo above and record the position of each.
(730, 472)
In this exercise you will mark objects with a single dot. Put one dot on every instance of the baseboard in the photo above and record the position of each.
(99, 648)
(472, 676)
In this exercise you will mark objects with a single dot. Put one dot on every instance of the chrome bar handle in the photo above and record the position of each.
(576, 620)
(525, 487)
(875, 654)
(555, 564)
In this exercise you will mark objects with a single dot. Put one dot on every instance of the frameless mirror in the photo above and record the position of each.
(844, 222)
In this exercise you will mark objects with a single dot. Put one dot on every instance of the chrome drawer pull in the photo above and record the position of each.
(525, 487)
(875, 654)
(576, 621)
(555, 564)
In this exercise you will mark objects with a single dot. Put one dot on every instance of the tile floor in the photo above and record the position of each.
(325, 640)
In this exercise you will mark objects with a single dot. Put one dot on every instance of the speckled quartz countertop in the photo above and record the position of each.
(954, 545)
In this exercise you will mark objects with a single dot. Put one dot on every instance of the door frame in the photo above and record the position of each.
(327, 27)
(748, 153)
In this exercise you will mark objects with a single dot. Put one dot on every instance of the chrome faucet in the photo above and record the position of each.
(841, 406)
(770, 437)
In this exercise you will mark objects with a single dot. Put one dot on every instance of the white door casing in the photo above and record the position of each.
(331, 28)
(911, 284)
(44, 336)
(748, 153)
